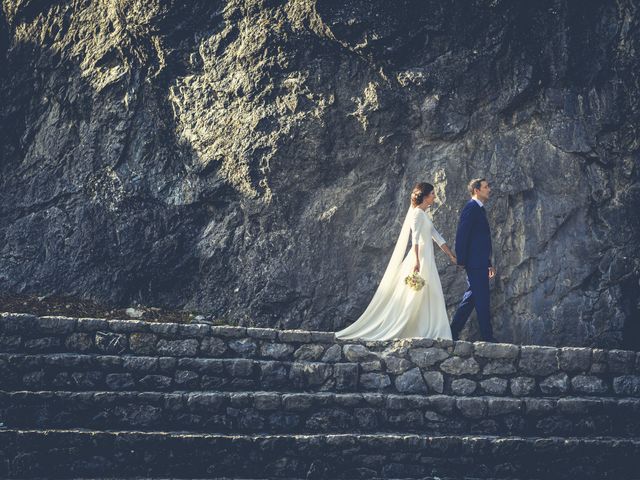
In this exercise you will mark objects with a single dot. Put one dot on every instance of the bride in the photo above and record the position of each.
(396, 310)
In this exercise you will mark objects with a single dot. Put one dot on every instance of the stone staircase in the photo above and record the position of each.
(121, 398)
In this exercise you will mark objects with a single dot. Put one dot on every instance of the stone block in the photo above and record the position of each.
(240, 399)
(499, 367)
(227, 331)
(463, 349)
(34, 379)
(589, 384)
(503, 406)
(574, 360)
(245, 347)
(306, 374)
(333, 354)
(297, 402)
(274, 375)
(442, 404)
(139, 364)
(213, 347)
(621, 361)
(115, 343)
(44, 344)
(166, 364)
(166, 329)
(396, 365)
(598, 361)
(55, 325)
(521, 386)
(496, 350)
(495, 386)
(578, 406)
(155, 382)
(18, 323)
(178, 348)
(460, 366)
(300, 336)
(213, 366)
(539, 406)
(79, 342)
(541, 361)
(463, 386)
(276, 350)
(346, 376)
(186, 378)
(555, 384)
(10, 343)
(120, 381)
(427, 357)
(309, 352)
(88, 380)
(374, 381)
(358, 353)
(239, 368)
(372, 366)
(209, 402)
(411, 382)
(348, 399)
(194, 330)
(128, 326)
(262, 333)
(627, 385)
(92, 325)
(323, 337)
(434, 380)
(472, 407)
(143, 343)
(265, 401)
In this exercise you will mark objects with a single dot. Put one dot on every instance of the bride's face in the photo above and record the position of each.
(429, 199)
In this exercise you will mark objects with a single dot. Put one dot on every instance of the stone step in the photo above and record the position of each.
(406, 366)
(77, 453)
(277, 412)
(82, 372)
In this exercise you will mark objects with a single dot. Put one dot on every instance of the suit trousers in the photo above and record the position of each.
(476, 296)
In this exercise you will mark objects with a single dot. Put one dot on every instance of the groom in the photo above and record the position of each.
(473, 249)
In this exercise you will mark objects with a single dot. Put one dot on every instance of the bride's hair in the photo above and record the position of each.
(420, 191)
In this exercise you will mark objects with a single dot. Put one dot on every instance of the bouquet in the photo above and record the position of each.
(414, 281)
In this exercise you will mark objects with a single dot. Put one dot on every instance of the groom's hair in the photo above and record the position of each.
(475, 184)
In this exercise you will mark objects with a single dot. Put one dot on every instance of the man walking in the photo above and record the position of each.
(473, 249)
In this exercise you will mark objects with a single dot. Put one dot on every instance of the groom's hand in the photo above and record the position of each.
(492, 272)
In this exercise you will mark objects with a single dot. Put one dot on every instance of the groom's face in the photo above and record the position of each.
(484, 192)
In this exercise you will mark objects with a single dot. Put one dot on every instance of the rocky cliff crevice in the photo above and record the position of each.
(252, 159)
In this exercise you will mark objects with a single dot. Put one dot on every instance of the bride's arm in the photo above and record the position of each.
(416, 224)
(442, 243)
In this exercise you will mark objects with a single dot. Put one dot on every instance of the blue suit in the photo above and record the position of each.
(473, 250)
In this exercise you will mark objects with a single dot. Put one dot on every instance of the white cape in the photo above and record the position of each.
(397, 311)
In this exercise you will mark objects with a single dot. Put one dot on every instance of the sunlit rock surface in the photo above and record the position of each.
(253, 159)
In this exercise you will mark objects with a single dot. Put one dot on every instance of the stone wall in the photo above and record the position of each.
(129, 354)
(119, 398)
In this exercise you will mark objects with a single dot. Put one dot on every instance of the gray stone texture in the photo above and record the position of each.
(129, 160)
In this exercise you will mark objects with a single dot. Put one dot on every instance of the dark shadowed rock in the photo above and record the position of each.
(253, 162)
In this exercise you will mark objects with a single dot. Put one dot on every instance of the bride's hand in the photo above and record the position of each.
(416, 268)
(453, 259)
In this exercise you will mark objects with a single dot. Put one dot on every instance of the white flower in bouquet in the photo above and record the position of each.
(414, 281)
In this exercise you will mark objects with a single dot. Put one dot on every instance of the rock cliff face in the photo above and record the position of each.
(254, 159)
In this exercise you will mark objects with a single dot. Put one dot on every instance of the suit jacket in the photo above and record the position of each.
(473, 238)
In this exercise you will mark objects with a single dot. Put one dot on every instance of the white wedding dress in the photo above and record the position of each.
(396, 310)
